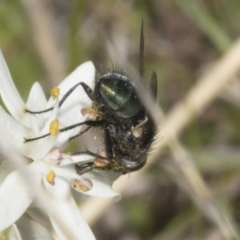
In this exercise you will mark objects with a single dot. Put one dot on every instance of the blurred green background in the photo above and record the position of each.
(45, 40)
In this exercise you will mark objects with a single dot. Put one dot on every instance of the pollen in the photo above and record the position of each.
(54, 127)
(55, 92)
(95, 137)
(50, 177)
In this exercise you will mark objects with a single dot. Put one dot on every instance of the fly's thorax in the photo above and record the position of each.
(116, 93)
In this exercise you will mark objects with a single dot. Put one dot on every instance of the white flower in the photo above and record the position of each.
(43, 175)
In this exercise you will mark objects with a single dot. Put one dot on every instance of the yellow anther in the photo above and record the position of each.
(54, 127)
(55, 92)
(50, 177)
(95, 137)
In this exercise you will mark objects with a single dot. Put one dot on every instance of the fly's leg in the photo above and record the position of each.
(89, 123)
(98, 163)
(87, 167)
(79, 134)
(85, 87)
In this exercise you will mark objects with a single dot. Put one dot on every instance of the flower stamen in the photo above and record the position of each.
(50, 177)
(54, 128)
(55, 91)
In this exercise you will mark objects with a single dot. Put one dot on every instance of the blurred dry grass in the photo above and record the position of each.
(42, 40)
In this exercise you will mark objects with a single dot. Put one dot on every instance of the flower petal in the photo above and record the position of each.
(102, 184)
(13, 133)
(36, 102)
(70, 111)
(11, 97)
(5, 169)
(81, 158)
(15, 197)
(36, 99)
(14, 233)
(32, 230)
(64, 213)
(9, 93)
(44, 145)
(68, 172)
(78, 98)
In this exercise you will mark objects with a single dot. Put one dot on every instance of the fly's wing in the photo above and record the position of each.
(153, 79)
(153, 85)
(141, 57)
